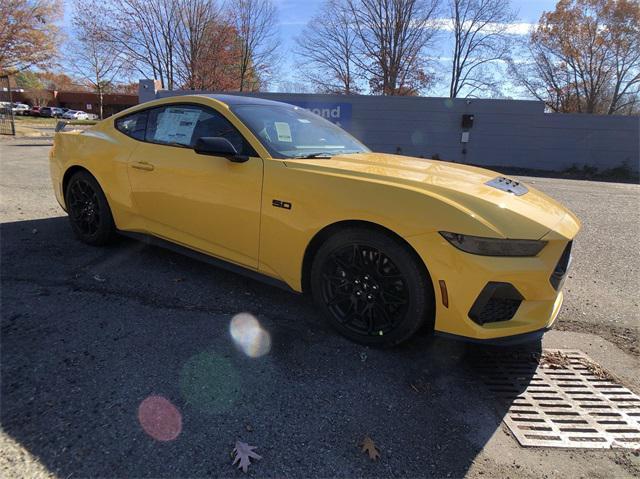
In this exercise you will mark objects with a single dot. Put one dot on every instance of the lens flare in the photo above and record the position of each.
(209, 383)
(159, 418)
(249, 336)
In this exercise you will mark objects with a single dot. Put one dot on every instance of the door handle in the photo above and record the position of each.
(142, 165)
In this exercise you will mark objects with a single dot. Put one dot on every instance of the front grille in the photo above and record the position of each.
(497, 302)
(559, 273)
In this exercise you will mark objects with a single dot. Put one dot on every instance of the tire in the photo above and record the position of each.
(88, 209)
(371, 287)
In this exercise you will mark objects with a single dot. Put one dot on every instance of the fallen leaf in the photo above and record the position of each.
(597, 370)
(370, 448)
(242, 454)
(420, 385)
(554, 360)
(99, 278)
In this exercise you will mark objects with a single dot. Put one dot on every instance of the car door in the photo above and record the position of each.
(204, 202)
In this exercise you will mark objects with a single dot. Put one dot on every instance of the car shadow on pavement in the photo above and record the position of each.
(127, 361)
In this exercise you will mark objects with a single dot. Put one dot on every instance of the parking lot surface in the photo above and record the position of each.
(90, 337)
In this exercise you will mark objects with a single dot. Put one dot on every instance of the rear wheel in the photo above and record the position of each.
(89, 212)
(371, 287)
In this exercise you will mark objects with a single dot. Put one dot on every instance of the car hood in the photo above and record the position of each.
(532, 215)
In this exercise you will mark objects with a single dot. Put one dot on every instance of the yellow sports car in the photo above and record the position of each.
(385, 244)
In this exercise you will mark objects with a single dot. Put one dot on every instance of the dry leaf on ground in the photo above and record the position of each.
(554, 360)
(597, 370)
(242, 454)
(370, 448)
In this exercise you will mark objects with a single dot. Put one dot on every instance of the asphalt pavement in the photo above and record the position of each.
(127, 361)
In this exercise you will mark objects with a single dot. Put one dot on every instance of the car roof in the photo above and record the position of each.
(235, 100)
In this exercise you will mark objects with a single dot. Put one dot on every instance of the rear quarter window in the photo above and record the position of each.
(134, 125)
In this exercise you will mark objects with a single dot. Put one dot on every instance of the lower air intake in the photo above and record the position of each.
(497, 302)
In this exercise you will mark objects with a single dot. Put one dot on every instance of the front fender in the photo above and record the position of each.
(319, 199)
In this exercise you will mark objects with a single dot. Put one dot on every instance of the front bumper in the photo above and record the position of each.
(467, 275)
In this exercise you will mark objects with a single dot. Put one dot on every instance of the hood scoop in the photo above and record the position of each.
(508, 185)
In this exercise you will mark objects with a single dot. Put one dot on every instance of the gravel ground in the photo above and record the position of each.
(601, 293)
(90, 337)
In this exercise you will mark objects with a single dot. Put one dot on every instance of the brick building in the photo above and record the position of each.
(74, 100)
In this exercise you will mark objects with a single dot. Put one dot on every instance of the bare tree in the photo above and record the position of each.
(544, 78)
(327, 49)
(183, 43)
(584, 57)
(93, 57)
(480, 39)
(256, 24)
(145, 32)
(393, 38)
(623, 33)
(207, 47)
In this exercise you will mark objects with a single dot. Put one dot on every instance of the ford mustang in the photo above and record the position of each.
(385, 244)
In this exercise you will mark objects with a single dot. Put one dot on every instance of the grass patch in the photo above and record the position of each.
(34, 121)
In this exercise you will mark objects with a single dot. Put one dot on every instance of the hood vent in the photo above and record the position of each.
(508, 185)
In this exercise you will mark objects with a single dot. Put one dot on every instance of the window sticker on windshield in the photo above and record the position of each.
(284, 131)
(176, 125)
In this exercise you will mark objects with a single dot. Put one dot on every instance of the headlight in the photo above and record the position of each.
(494, 246)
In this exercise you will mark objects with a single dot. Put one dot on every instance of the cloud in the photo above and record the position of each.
(515, 28)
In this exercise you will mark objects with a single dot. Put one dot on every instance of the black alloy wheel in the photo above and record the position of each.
(372, 287)
(89, 212)
(364, 289)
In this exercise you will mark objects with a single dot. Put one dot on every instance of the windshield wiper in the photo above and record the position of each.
(318, 154)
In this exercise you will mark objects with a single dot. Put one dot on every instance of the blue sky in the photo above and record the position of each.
(295, 14)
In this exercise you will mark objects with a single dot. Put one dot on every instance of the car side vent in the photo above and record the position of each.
(506, 184)
(497, 302)
(560, 272)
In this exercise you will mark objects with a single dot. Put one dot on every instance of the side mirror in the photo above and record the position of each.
(218, 146)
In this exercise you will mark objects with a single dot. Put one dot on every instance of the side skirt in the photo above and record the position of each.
(205, 258)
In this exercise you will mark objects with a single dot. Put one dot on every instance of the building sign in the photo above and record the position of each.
(338, 113)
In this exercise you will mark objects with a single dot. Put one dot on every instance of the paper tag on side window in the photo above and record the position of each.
(284, 131)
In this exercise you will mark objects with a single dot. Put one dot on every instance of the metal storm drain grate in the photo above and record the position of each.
(561, 398)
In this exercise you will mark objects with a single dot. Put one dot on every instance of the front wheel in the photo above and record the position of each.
(371, 287)
(89, 212)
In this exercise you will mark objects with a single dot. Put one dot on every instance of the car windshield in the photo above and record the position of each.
(293, 132)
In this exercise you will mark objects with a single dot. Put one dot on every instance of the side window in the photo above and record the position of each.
(184, 124)
(133, 125)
